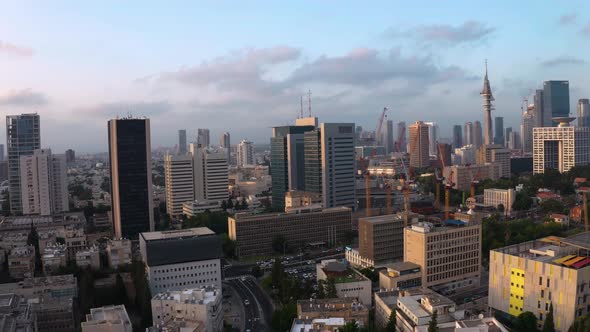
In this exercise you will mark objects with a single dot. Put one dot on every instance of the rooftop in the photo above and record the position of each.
(111, 314)
(335, 304)
(382, 219)
(193, 296)
(250, 215)
(309, 325)
(175, 234)
(402, 266)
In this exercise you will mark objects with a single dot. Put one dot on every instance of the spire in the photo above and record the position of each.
(487, 90)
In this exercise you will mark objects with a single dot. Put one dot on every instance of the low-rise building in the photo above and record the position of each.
(415, 309)
(318, 324)
(385, 305)
(177, 325)
(346, 308)
(54, 315)
(560, 218)
(479, 324)
(348, 281)
(53, 257)
(21, 262)
(462, 175)
(107, 319)
(16, 314)
(193, 208)
(89, 257)
(400, 276)
(497, 197)
(198, 304)
(119, 252)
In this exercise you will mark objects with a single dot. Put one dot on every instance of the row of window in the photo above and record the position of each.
(185, 283)
(186, 268)
(185, 275)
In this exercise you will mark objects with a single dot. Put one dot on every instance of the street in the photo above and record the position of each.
(257, 307)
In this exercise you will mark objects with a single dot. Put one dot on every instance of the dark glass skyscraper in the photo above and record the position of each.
(457, 136)
(556, 99)
(182, 141)
(313, 161)
(131, 177)
(499, 130)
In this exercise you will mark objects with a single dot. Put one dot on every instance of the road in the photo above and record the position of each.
(259, 310)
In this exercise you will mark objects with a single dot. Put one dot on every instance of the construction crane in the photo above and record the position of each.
(474, 183)
(378, 131)
(448, 185)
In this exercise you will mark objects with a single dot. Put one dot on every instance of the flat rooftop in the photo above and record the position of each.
(382, 219)
(403, 266)
(250, 215)
(336, 304)
(112, 314)
(173, 234)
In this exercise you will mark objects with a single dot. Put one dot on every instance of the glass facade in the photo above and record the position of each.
(556, 99)
(313, 162)
(499, 130)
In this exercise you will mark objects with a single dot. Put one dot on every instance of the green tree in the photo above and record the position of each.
(433, 324)
(256, 271)
(230, 203)
(321, 293)
(228, 246)
(526, 322)
(501, 208)
(282, 319)
(277, 273)
(581, 324)
(392, 322)
(549, 324)
(223, 205)
(522, 202)
(33, 240)
(552, 206)
(330, 288)
(350, 326)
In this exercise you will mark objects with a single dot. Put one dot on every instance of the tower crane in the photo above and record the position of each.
(378, 132)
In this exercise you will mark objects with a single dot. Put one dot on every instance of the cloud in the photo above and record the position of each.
(567, 19)
(446, 35)
(124, 108)
(563, 60)
(17, 50)
(23, 98)
(586, 30)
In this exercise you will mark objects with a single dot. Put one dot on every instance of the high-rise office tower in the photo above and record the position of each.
(526, 129)
(514, 143)
(401, 140)
(432, 137)
(312, 151)
(130, 159)
(210, 174)
(43, 182)
(224, 142)
(419, 145)
(556, 100)
(561, 147)
(23, 137)
(541, 118)
(507, 132)
(182, 142)
(457, 136)
(287, 161)
(444, 153)
(338, 164)
(357, 135)
(389, 141)
(70, 156)
(477, 140)
(498, 130)
(203, 137)
(1, 152)
(245, 153)
(468, 138)
(583, 109)
(178, 173)
(488, 98)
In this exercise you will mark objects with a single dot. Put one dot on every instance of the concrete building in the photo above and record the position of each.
(541, 118)
(507, 133)
(338, 166)
(495, 154)
(88, 258)
(191, 209)
(178, 174)
(477, 132)
(119, 252)
(530, 276)
(462, 175)
(245, 154)
(381, 239)
(296, 200)
(556, 99)
(466, 154)
(23, 137)
(561, 147)
(400, 276)
(469, 134)
(254, 233)
(44, 187)
(457, 136)
(179, 259)
(21, 262)
(107, 319)
(498, 130)
(211, 177)
(401, 139)
(385, 305)
(488, 98)
(448, 255)
(583, 112)
(526, 129)
(70, 156)
(495, 197)
(432, 138)
(415, 310)
(346, 308)
(182, 142)
(419, 145)
(130, 160)
(203, 137)
(53, 257)
(193, 304)
(318, 324)
(444, 154)
(16, 315)
(349, 282)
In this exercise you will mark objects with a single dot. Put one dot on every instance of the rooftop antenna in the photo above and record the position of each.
(309, 101)
(301, 110)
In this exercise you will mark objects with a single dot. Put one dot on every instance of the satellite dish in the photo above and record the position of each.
(480, 316)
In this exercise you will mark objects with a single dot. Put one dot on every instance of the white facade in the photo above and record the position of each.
(43, 183)
(495, 197)
(466, 154)
(178, 172)
(245, 153)
(194, 274)
(358, 286)
(119, 252)
(107, 319)
(194, 304)
(89, 257)
(211, 177)
(432, 137)
(338, 164)
(193, 208)
(561, 147)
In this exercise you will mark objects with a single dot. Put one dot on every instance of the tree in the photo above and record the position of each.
(331, 288)
(392, 322)
(282, 319)
(279, 243)
(433, 324)
(256, 271)
(230, 203)
(549, 324)
(552, 206)
(581, 324)
(223, 205)
(33, 240)
(351, 326)
(278, 273)
(526, 322)
(244, 204)
(120, 290)
(321, 294)
(522, 201)
(228, 246)
(501, 208)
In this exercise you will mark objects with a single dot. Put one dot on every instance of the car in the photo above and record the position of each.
(310, 262)
(243, 278)
(246, 302)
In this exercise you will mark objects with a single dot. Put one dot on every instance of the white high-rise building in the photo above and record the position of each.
(338, 165)
(561, 147)
(178, 173)
(43, 183)
(224, 142)
(245, 153)
(526, 128)
(432, 137)
(210, 174)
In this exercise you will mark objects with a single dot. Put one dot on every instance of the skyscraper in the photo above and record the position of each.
(44, 183)
(312, 151)
(1, 152)
(488, 98)
(457, 136)
(182, 141)
(477, 141)
(245, 153)
(583, 113)
(338, 164)
(419, 145)
(561, 147)
(178, 173)
(70, 156)
(131, 176)
(432, 137)
(468, 138)
(210, 174)
(23, 137)
(507, 132)
(401, 140)
(389, 141)
(203, 137)
(556, 100)
(526, 130)
(224, 142)
(498, 130)
(541, 119)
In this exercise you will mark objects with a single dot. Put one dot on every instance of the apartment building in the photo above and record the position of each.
(495, 197)
(347, 308)
(21, 262)
(107, 319)
(178, 173)
(89, 257)
(461, 175)
(119, 252)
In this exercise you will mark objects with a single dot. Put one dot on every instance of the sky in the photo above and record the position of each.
(242, 66)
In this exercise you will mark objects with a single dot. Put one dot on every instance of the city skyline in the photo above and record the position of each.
(230, 71)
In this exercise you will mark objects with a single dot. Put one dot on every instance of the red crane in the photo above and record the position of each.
(378, 132)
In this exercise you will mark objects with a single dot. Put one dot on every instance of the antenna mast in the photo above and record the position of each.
(301, 109)
(309, 101)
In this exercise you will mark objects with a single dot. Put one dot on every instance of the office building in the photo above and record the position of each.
(70, 156)
(193, 208)
(254, 233)
(507, 132)
(457, 136)
(443, 154)
(346, 308)
(466, 154)
(203, 137)
(199, 304)
(469, 135)
(130, 160)
(488, 98)
(225, 143)
(531, 276)
(432, 137)
(338, 166)
(182, 142)
(401, 139)
(499, 130)
(349, 282)
(583, 111)
(526, 130)
(495, 154)
(118, 252)
(44, 188)
(211, 178)
(477, 138)
(385, 304)
(448, 255)
(461, 176)
(23, 137)
(541, 118)
(16, 314)
(245, 154)
(178, 175)
(419, 145)
(495, 197)
(367, 152)
(287, 161)
(312, 151)
(561, 147)
(179, 259)
(21, 262)
(556, 100)
(514, 143)
(389, 141)
(400, 276)
(381, 238)
(113, 318)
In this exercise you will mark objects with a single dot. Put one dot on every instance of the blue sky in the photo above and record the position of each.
(241, 66)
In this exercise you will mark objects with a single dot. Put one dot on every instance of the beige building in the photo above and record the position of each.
(415, 309)
(461, 176)
(53, 257)
(346, 308)
(385, 304)
(178, 173)
(381, 238)
(530, 276)
(419, 146)
(89, 257)
(495, 197)
(254, 233)
(210, 172)
(107, 319)
(448, 255)
(119, 252)
(21, 262)
(400, 276)
(349, 282)
(495, 154)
